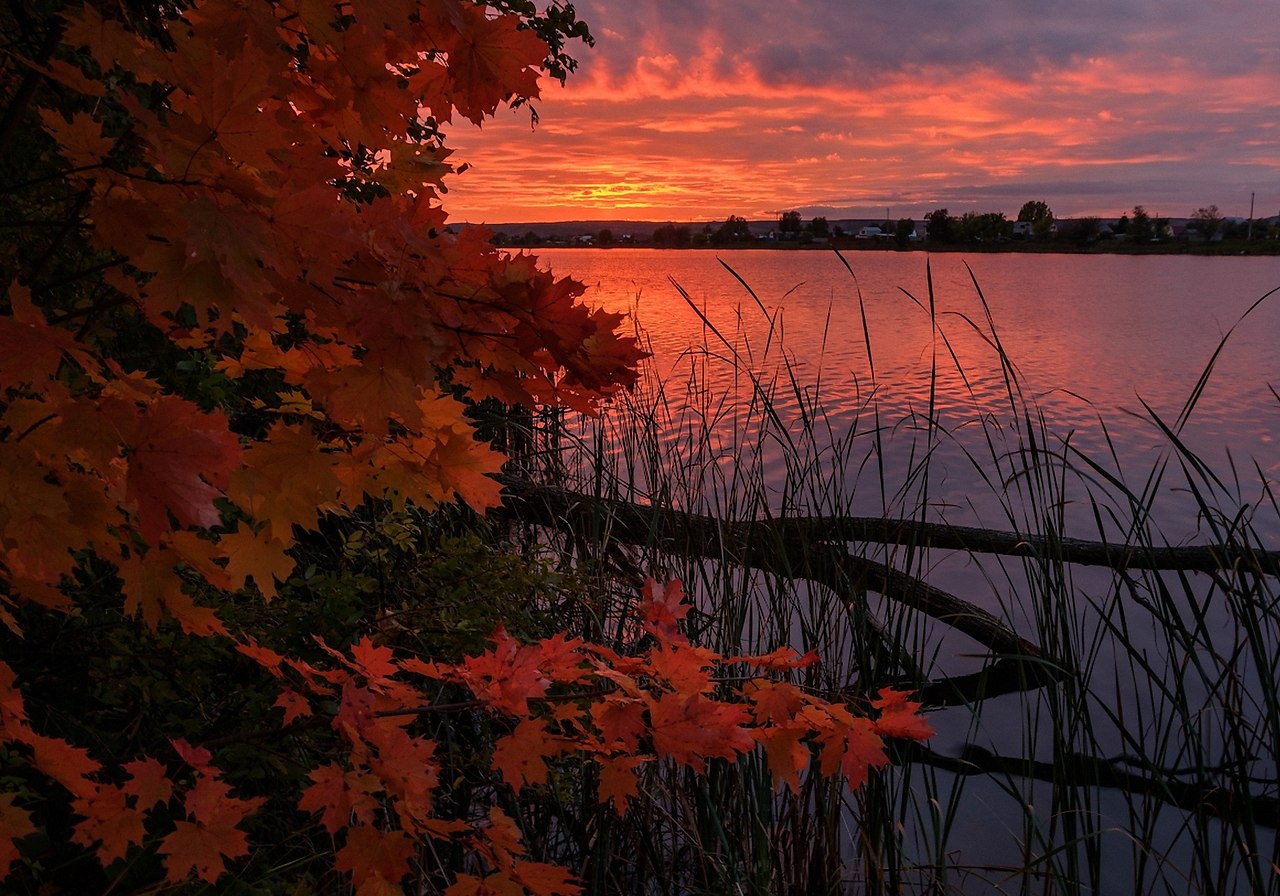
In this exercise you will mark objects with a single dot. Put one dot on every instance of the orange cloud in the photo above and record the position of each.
(698, 118)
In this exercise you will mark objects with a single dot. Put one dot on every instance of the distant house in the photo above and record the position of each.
(1026, 230)
(869, 233)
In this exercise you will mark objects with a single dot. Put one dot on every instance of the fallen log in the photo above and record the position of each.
(1017, 664)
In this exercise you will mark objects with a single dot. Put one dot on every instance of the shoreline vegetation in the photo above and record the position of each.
(1205, 232)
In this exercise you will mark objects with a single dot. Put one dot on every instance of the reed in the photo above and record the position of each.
(1128, 743)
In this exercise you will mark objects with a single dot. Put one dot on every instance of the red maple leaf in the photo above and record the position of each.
(110, 823)
(294, 705)
(375, 661)
(199, 849)
(542, 879)
(621, 721)
(148, 782)
(178, 464)
(661, 609)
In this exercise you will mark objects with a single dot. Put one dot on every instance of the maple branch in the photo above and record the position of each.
(86, 272)
(323, 721)
(464, 705)
(62, 174)
(23, 224)
(267, 733)
(67, 226)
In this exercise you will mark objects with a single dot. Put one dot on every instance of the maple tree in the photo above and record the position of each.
(233, 310)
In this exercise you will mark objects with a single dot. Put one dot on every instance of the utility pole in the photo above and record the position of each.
(1249, 238)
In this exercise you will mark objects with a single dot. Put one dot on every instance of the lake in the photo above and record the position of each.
(1092, 338)
(864, 391)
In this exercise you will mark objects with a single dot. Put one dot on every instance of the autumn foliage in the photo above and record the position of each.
(266, 323)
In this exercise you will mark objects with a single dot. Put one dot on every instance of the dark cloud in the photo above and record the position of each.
(827, 41)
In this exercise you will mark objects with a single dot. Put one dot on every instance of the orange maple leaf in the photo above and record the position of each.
(543, 879)
(375, 661)
(286, 481)
(521, 757)
(152, 589)
(257, 557)
(781, 659)
(493, 60)
(786, 752)
(81, 140)
(506, 677)
(67, 764)
(850, 744)
(338, 796)
(691, 729)
(200, 845)
(497, 884)
(503, 836)
(776, 702)
(899, 717)
(618, 781)
(687, 669)
(374, 857)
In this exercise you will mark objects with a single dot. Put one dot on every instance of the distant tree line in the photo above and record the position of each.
(1035, 222)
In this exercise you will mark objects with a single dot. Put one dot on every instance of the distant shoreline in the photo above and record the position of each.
(1225, 248)
(937, 232)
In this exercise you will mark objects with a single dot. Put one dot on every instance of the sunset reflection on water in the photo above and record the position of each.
(1090, 340)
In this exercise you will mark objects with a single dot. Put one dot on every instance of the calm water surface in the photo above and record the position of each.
(1092, 340)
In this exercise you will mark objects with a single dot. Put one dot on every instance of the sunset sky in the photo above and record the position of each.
(698, 109)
